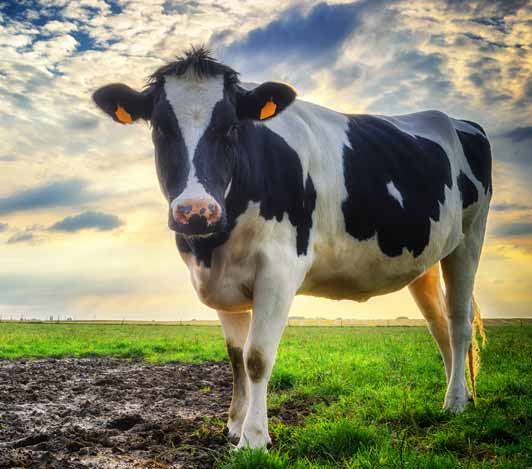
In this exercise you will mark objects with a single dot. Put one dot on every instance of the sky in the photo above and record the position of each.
(83, 225)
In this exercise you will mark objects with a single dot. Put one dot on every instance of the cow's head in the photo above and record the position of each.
(195, 106)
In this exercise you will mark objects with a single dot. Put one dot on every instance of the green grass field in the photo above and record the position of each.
(373, 395)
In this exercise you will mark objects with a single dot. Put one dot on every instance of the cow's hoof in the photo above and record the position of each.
(234, 430)
(455, 403)
(254, 439)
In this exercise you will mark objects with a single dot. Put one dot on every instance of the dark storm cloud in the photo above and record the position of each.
(21, 237)
(519, 134)
(87, 220)
(54, 194)
(510, 230)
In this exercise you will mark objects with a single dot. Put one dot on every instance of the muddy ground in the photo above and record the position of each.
(107, 413)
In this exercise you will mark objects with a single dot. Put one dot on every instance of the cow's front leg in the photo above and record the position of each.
(272, 297)
(236, 327)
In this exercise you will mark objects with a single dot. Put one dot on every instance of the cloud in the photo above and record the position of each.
(86, 220)
(390, 57)
(3, 227)
(304, 45)
(347, 75)
(8, 158)
(506, 207)
(316, 36)
(486, 74)
(83, 123)
(511, 230)
(21, 237)
(518, 134)
(18, 288)
(421, 62)
(55, 194)
(498, 7)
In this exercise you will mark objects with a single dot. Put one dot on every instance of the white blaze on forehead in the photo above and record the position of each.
(193, 101)
(394, 192)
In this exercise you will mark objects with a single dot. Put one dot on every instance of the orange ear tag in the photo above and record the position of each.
(268, 110)
(123, 116)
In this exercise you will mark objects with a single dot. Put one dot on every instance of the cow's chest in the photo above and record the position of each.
(230, 290)
(227, 283)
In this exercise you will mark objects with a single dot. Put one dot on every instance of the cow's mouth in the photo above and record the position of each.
(196, 236)
(192, 231)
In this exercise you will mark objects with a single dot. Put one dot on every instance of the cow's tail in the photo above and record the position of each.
(473, 354)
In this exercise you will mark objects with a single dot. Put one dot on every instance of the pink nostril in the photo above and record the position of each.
(214, 213)
(183, 213)
(208, 210)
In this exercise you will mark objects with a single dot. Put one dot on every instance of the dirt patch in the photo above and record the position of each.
(297, 408)
(107, 413)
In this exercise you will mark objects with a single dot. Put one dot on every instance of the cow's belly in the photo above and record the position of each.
(345, 268)
(361, 277)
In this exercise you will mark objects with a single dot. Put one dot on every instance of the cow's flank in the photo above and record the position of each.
(396, 185)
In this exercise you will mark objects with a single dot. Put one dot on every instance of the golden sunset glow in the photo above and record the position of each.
(83, 224)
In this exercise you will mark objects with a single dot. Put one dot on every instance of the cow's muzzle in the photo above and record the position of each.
(196, 217)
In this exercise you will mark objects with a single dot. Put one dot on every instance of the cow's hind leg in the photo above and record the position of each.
(429, 297)
(459, 269)
(236, 327)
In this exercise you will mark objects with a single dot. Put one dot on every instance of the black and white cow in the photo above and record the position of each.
(271, 197)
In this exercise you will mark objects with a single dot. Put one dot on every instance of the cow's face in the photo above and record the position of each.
(195, 131)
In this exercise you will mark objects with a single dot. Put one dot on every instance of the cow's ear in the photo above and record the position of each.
(265, 101)
(124, 104)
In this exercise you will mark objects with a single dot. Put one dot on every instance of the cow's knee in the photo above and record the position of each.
(256, 364)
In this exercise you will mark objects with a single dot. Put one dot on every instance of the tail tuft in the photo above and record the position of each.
(473, 354)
